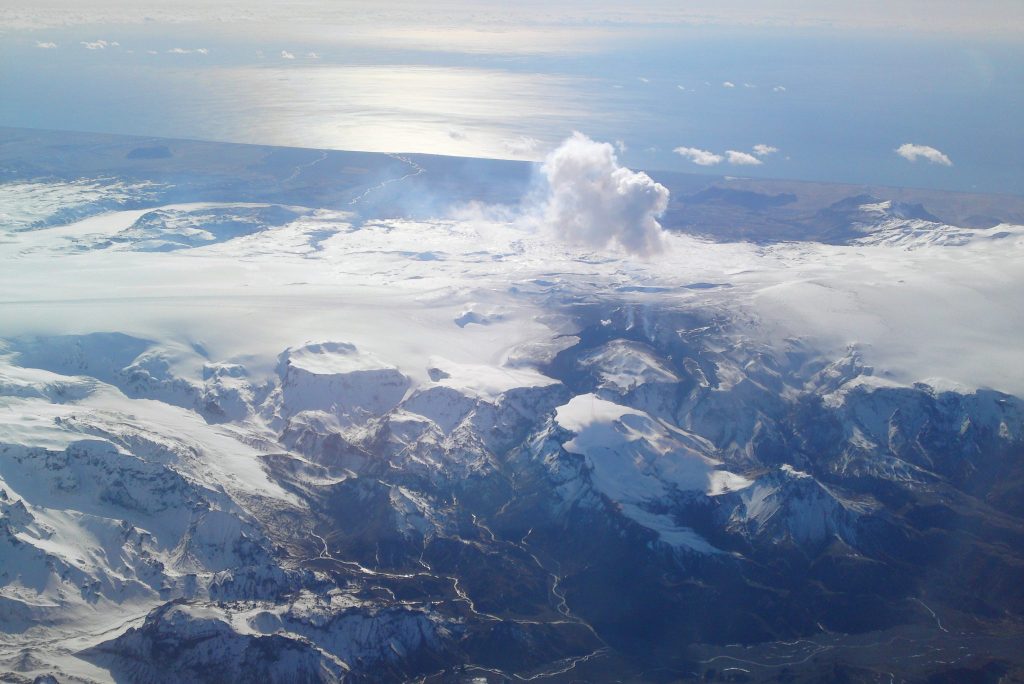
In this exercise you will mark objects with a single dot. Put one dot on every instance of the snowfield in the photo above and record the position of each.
(910, 312)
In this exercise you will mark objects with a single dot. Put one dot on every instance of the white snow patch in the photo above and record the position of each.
(636, 460)
(484, 381)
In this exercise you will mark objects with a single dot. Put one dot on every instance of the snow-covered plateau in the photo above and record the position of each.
(253, 429)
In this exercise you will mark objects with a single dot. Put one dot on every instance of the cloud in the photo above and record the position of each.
(728, 84)
(644, 80)
(188, 51)
(594, 202)
(681, 87)
(699, 156)
(523, 146)
(742, 158)
(46, 45)
(287, 55)
(100, 44)
(912, 152)
(456, 134)
(779, 89)
(621, 146)
(749, 85)
(312, 55)
(709, 158)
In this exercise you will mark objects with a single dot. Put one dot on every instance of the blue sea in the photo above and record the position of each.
(834, 103)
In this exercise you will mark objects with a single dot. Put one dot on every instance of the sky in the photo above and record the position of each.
(906, 93)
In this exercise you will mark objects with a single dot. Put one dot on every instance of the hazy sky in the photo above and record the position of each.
(924, 93)
(988, 16)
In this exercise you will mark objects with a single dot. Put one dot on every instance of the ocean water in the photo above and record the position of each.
(835, 103)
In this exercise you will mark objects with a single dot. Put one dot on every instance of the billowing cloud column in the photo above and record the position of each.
(594, 202)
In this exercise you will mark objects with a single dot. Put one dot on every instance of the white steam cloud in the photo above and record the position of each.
(594, 202)
(912, 152)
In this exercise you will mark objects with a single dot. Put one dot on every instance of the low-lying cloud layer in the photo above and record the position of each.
(709, 158)
(522, 146)
(699, 156)
(594, 202)
(742, 158)
(912, 152)
(99, 44)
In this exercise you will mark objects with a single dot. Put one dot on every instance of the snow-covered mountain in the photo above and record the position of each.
(266, 439)
(867, 220)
